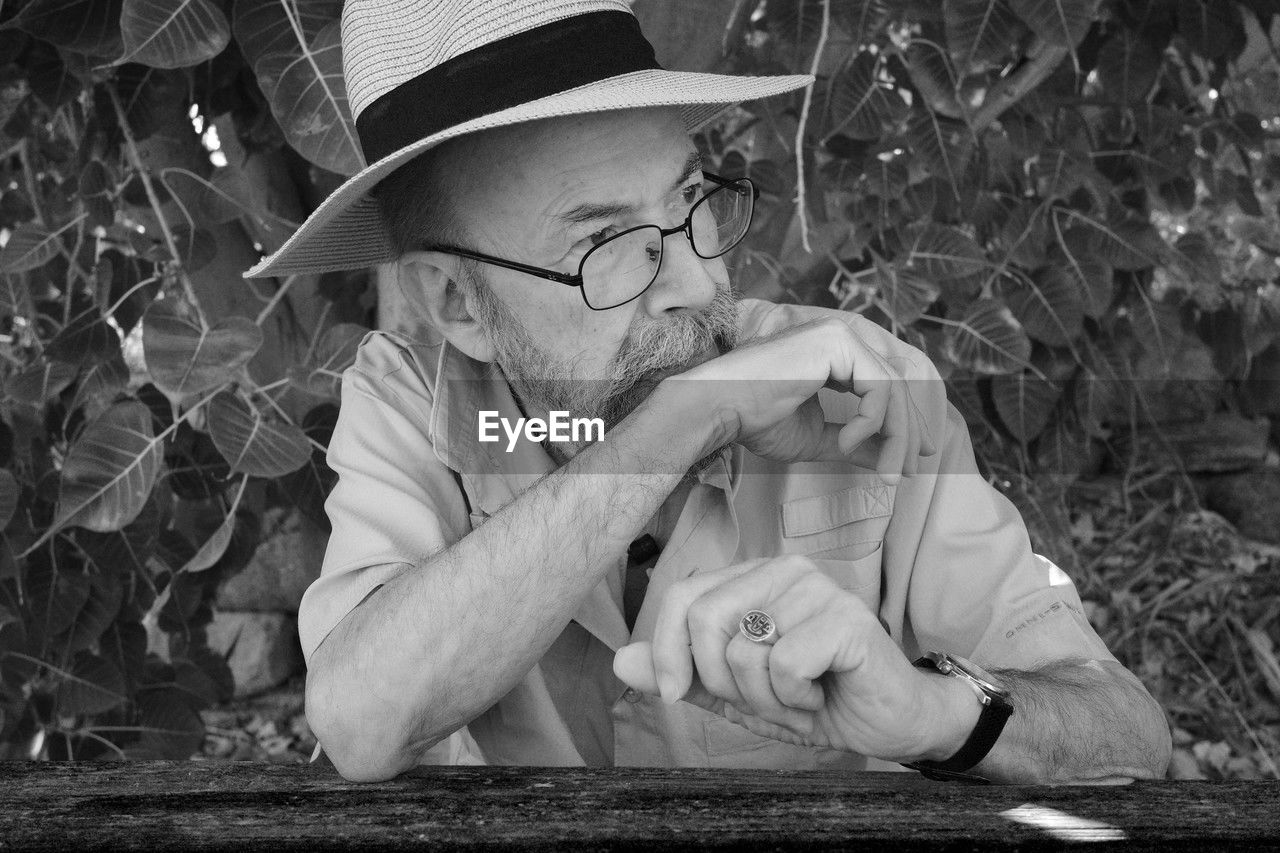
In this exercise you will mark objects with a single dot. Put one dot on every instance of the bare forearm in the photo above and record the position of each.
(1078, 723)
(447, 638)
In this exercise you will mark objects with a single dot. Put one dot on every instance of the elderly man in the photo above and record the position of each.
(783, 512)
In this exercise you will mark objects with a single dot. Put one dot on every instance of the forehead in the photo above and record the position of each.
(617, 152)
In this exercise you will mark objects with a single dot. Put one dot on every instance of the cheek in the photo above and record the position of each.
(562, 326)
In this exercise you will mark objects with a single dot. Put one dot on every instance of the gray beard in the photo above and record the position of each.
(650, 352)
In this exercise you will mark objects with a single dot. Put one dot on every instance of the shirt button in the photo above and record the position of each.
(632, 695)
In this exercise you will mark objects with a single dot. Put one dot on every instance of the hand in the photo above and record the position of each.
(834, 678)
(764, 394)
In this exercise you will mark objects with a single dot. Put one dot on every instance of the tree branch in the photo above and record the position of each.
(1009, 90)
(804, 119)
(135, 159)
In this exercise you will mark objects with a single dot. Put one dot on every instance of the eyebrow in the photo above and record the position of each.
(591, 212)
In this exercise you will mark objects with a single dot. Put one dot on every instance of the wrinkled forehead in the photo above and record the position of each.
(619, 151)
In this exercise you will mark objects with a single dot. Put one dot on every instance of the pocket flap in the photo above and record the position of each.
(805, 516)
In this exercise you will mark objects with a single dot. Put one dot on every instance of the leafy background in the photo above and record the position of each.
(1071, 205)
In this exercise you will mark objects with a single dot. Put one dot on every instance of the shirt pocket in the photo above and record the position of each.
(729, 745)
(847, 526)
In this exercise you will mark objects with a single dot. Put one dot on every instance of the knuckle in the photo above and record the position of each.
(738, 654)
(798, 565)
(817, 583)
(700, 617)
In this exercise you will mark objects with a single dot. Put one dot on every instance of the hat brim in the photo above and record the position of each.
(346, 230)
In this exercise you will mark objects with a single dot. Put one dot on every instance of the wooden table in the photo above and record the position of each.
(241, 806)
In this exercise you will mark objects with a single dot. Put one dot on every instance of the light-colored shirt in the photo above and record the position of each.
(942, 558)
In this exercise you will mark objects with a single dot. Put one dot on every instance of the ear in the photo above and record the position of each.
(428, 281)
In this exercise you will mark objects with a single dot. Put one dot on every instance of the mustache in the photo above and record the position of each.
(656, 346)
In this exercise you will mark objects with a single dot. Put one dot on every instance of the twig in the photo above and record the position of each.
(30, 177)
(135, 159)
(1235, 706)
(275, 298)
(804, 119)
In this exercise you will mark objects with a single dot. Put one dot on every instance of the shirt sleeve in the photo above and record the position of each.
(395, 503)
(959, 572)
(976, 588)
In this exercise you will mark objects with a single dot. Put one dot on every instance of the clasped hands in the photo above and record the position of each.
(834, 677)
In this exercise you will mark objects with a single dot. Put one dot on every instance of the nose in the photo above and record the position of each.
(685, 281)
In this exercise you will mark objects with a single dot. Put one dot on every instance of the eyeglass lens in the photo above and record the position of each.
(622, 267)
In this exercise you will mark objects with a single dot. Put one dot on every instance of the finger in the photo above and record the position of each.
(864, 454)
(633, 664)
(673, 660)
(710, 634)
(896, 433)
(927, 445)
(911, 466)
(714, 617)
(749, 663)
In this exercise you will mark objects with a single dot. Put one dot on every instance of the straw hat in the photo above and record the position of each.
(420, 72)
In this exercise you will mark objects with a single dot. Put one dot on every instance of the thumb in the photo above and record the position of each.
(633, 664)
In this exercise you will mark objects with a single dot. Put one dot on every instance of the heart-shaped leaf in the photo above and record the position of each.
(863, 103)
(322, 374)
(943, 145)
(39, 382)
(906, 293)
(1025, 235)
(309, 486)
(30, 247)
(252, 445)
(100, 386)
(980, 32)
(9, 493)
(208, 554)
(99, 611)
(86, 339)
(1059, 22)
(184, 359)
(1128, 67)
(109, 471)
(1050, 306)
(168, 34)
(54, 596)
(308, 97)
(85, 26)
(124, 552)
(940, 252)
(1211, 27)
(93, 685)
(1025, 403)
(989, 339)
(266, 27)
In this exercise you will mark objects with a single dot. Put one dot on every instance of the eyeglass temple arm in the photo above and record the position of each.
(728, 182)
(562, 278)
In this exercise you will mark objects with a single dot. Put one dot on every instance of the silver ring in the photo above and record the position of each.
(758, 627)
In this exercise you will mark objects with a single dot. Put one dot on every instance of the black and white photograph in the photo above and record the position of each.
(640, 424)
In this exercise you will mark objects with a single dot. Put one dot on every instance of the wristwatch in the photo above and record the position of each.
(996, 709)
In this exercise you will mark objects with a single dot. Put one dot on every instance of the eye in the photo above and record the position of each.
(691, 193)
(600, 236)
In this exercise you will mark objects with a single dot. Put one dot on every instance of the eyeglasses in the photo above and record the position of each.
(617, 270)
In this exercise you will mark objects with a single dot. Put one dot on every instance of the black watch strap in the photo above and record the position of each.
(995, 713)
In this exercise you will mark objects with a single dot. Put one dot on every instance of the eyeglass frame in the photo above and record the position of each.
(576, 280)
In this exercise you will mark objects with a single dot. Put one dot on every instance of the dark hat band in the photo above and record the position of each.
(546, 60)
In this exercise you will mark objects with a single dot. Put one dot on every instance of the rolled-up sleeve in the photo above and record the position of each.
(395, 503)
